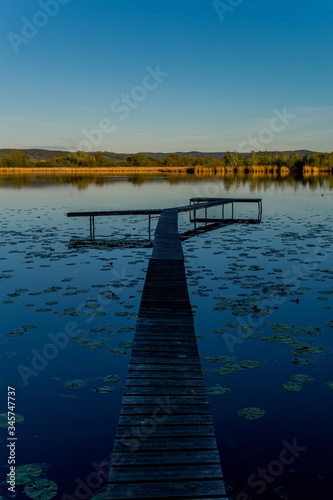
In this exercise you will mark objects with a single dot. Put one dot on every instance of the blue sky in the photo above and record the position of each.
(166, 76)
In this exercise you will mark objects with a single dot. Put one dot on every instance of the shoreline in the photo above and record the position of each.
(199, 170)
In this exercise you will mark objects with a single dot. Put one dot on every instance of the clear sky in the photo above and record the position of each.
(155, 75)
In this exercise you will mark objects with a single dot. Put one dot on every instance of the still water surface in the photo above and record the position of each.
(260, 293)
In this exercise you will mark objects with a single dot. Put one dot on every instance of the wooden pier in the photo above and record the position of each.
(165, 447)
(195, 205)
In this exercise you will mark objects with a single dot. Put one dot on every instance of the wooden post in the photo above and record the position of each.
(232, 209)
(206, 216)
(149, 222)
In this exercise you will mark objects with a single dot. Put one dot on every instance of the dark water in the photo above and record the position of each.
(246, 282)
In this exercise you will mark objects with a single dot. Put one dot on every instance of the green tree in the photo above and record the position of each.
(18, 160)
(228, 159)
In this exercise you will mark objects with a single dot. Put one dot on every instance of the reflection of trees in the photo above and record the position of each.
(255, 182)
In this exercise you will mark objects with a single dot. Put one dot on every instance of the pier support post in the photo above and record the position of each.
(92, 227)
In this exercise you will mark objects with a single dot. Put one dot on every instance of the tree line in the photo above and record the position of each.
(295, 161)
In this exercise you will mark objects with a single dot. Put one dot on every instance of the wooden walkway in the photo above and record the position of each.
(195, 205)
(165, 446)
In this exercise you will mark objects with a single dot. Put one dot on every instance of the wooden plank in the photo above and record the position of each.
(181, 352)
(111, 213)
(165, 337)
(142, 360)
(173, 420)
(164, 350)
(183, 400)
(160, 473)
(151, 409)
(153, 390)
(166, 343)
(153, 443)
(164, 372)
(155, 458)
(151, 428)
(169, 358)
(164, 382)
(165, 490)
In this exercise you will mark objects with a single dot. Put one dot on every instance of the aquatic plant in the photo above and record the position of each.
(41, 489)
(251, 413)
(76, 384)
(292, 386)
(217, 390)
(112, 378)
(103, 389)
(4, 419)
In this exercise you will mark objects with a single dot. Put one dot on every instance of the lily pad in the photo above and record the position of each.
(80, 339)
(41, 489)
(99, 496)
(292, 386)
(249, 364)
(300, 361)
(251, 413)
(116, 352)
(239, 326)
(25, 473)
(91, 346)
(97, 313)
(4, 419)
(76, 384)
(330, 385)
(125, 329)
(125, 345)
(103, 389)
(217, 390)
(112, 378)
(220, 330)
(219, 359)
(226, 370)
(301, 377)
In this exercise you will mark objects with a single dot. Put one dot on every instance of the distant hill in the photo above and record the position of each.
(47, 154)
(197, 154)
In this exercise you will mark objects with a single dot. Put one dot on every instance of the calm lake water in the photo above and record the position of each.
(259, 292)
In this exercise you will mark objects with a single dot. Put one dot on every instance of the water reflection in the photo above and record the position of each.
(260, 180)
